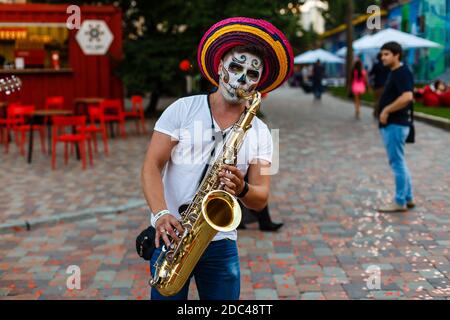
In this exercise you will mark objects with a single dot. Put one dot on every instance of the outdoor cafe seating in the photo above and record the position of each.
(16, 123)
(137, 113)
(96, 115)
(113, 114)
(63, 132)
(20, 121)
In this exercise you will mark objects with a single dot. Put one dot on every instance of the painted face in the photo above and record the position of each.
(239, 70)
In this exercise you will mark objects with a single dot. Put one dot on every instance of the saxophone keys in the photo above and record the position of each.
(187, 226)
(169, 256)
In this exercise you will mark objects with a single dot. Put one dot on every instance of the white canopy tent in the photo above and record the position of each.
(375, 41)
(312, 56)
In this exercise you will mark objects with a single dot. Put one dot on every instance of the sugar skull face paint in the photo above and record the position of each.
(239, 70)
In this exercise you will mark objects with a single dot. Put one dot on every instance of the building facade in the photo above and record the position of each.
(429, 19)
(36, 33)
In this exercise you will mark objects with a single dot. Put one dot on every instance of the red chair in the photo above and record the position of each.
(96, 115)
(431, 99)
(112, 112)
(4, 138)
(445, 99)
(137, 112)
(55, 102)
(63, 128)
(15, 122)
(3, 134)
(52, 103)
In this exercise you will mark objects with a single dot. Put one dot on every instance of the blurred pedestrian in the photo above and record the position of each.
(317, 76)
(263, 217)
(359, 82)
(264, 220)
(296, 79)
(395, 122)
(439, 87)
(305, 79)
(378, 75)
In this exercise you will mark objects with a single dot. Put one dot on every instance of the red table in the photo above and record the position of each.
(43, 113)
(82, 103)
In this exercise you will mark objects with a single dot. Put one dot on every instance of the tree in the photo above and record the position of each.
(159, 34)
(336, 13)
(172, 30)
(349, 39)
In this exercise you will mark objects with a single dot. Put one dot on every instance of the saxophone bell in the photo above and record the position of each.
(221, 211)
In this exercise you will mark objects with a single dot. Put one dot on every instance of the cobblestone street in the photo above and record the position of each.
(333, 173)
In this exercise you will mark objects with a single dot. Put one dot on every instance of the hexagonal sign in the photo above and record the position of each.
(94, 37)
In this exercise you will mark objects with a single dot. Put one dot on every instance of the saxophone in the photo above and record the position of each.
(211, 210)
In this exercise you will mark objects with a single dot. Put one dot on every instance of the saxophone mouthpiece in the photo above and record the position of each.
(241, 93)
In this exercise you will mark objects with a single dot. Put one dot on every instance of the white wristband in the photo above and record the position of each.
(160, 214)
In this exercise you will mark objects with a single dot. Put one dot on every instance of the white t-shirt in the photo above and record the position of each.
(188, 121)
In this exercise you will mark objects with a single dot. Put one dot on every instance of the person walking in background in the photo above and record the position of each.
(317, 76)
(378, 75)
(305, 74)
(264, 220)
(396, 107)
(263, 217)
(359, 81)
(439, 87)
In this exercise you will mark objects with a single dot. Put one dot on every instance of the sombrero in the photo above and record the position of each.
(232, 32)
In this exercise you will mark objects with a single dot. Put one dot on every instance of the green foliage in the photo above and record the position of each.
(152, 56)
(152, 59)
(443, 112)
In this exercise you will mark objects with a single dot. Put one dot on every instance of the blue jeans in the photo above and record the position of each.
(394, 137)
(217, 273)
(317, 90)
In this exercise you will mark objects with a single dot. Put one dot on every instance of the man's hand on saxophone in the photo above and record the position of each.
(233, 179)
(166, 225)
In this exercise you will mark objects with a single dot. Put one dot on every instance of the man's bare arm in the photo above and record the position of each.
(259, 186)
(400, 102)
(158, 153)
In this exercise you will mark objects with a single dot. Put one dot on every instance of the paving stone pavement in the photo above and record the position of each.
(332, 173)
(36, 192)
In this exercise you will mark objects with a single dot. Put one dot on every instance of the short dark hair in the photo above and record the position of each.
(258, 51)
(437, 83)
(393, 47)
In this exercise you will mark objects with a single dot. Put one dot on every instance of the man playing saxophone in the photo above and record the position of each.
(192, 130)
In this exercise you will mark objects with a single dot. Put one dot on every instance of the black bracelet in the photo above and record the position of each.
(244, 191)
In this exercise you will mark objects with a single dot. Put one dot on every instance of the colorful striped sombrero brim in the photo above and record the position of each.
(232, 32)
